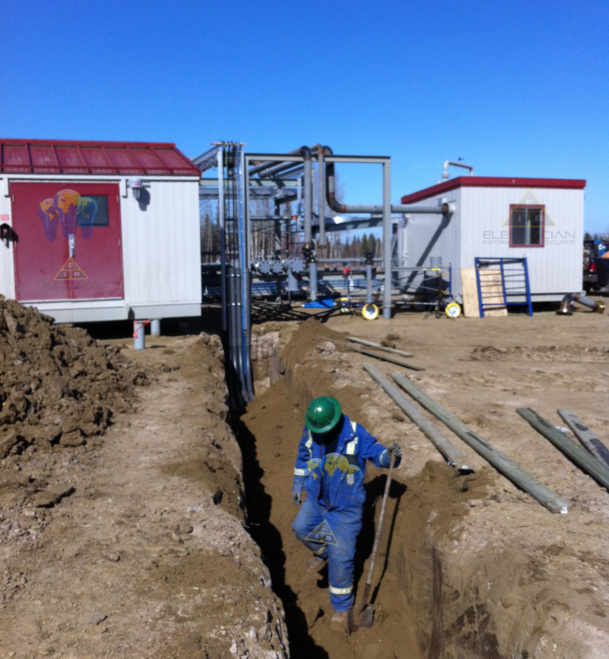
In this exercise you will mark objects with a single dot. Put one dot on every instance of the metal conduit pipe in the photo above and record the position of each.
(285, 200)
(456, 164)
(292, 171)
(207, 160)
(281, 168)
(284, 167)
(445, 209)
(260, 167)
(348, 259)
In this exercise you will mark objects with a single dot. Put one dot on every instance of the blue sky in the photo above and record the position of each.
(515, 89)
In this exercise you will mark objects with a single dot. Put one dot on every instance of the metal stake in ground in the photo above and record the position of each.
(368, 609)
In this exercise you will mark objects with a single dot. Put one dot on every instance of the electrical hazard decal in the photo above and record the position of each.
(322, 533)
(70, 270)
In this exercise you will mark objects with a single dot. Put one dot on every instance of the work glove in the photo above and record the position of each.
(397, 452)
(297, 486)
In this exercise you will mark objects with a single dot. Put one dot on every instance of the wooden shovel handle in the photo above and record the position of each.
(377, 536)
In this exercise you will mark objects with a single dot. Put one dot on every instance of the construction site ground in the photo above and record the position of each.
(149, 523)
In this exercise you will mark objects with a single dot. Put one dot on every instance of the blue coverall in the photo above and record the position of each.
(330, 518)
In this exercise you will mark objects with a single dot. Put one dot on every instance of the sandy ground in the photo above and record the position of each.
(145, 554)
(168, 537)
(476, 567)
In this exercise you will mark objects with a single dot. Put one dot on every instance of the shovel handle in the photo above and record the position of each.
(377, 535)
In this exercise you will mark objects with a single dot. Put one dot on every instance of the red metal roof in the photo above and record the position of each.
(493, 182)
(73, 157)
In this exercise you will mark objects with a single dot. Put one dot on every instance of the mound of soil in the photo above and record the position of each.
(135, 546)
(59, 386)
(580, 353)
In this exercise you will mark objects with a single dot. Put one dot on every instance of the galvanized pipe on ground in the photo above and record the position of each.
(510, 469)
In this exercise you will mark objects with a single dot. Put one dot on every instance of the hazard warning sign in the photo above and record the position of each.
(70, 270)
(322, 533)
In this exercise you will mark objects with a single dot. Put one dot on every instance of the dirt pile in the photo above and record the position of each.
(148, 555)
(59, 386)
(579, 352)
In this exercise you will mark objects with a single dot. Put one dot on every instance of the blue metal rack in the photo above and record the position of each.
(514, 283)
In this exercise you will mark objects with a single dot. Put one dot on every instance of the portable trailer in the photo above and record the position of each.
(501, 218)
(98, 231)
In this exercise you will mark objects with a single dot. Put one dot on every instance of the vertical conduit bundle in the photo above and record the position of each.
(236, 284)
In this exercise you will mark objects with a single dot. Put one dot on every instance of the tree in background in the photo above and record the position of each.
(210, 232)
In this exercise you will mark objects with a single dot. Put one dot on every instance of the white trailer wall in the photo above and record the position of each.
(162, 251)
(554, 269)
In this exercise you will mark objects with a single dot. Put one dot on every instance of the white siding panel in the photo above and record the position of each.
(555, 268)
(162, 245)
(7, 271)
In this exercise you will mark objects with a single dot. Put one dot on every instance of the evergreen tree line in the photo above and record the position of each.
(595, 236)
(265, 243)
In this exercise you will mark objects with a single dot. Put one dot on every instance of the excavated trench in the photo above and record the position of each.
(422, 606)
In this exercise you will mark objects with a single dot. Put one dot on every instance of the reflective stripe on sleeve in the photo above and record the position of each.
(309, 444)
(301, 472)
(341, 591)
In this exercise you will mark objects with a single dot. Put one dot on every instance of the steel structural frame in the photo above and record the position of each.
(384, 161)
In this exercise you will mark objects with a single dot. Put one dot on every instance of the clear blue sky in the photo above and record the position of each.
(515, 89)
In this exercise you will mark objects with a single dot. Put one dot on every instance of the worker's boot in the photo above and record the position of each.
(316, 564)
(339, 616)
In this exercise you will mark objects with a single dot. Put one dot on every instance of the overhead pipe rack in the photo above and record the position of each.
(285, 178)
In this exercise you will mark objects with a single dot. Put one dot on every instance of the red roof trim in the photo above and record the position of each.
(19, 156)
(493, 182)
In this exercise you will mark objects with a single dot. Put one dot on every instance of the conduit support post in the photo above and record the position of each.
(575, 452)
(385, 210)
(451, 453)
(222, 239)
(387, 238)
(305, 152)
(510, 469)
(321, 197)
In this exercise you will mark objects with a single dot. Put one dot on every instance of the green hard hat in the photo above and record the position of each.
(323, 414)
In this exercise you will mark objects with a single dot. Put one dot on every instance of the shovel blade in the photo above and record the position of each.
(365, 622)
(367, 617)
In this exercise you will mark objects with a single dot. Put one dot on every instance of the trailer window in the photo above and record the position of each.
(526, 226)
(93, 211)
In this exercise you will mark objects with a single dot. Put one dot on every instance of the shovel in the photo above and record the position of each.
(367, 608)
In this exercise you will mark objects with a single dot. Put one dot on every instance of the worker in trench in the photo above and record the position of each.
(330, 469)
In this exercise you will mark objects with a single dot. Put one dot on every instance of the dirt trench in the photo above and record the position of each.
(408, 592)
(469, 566)
(123, 526)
